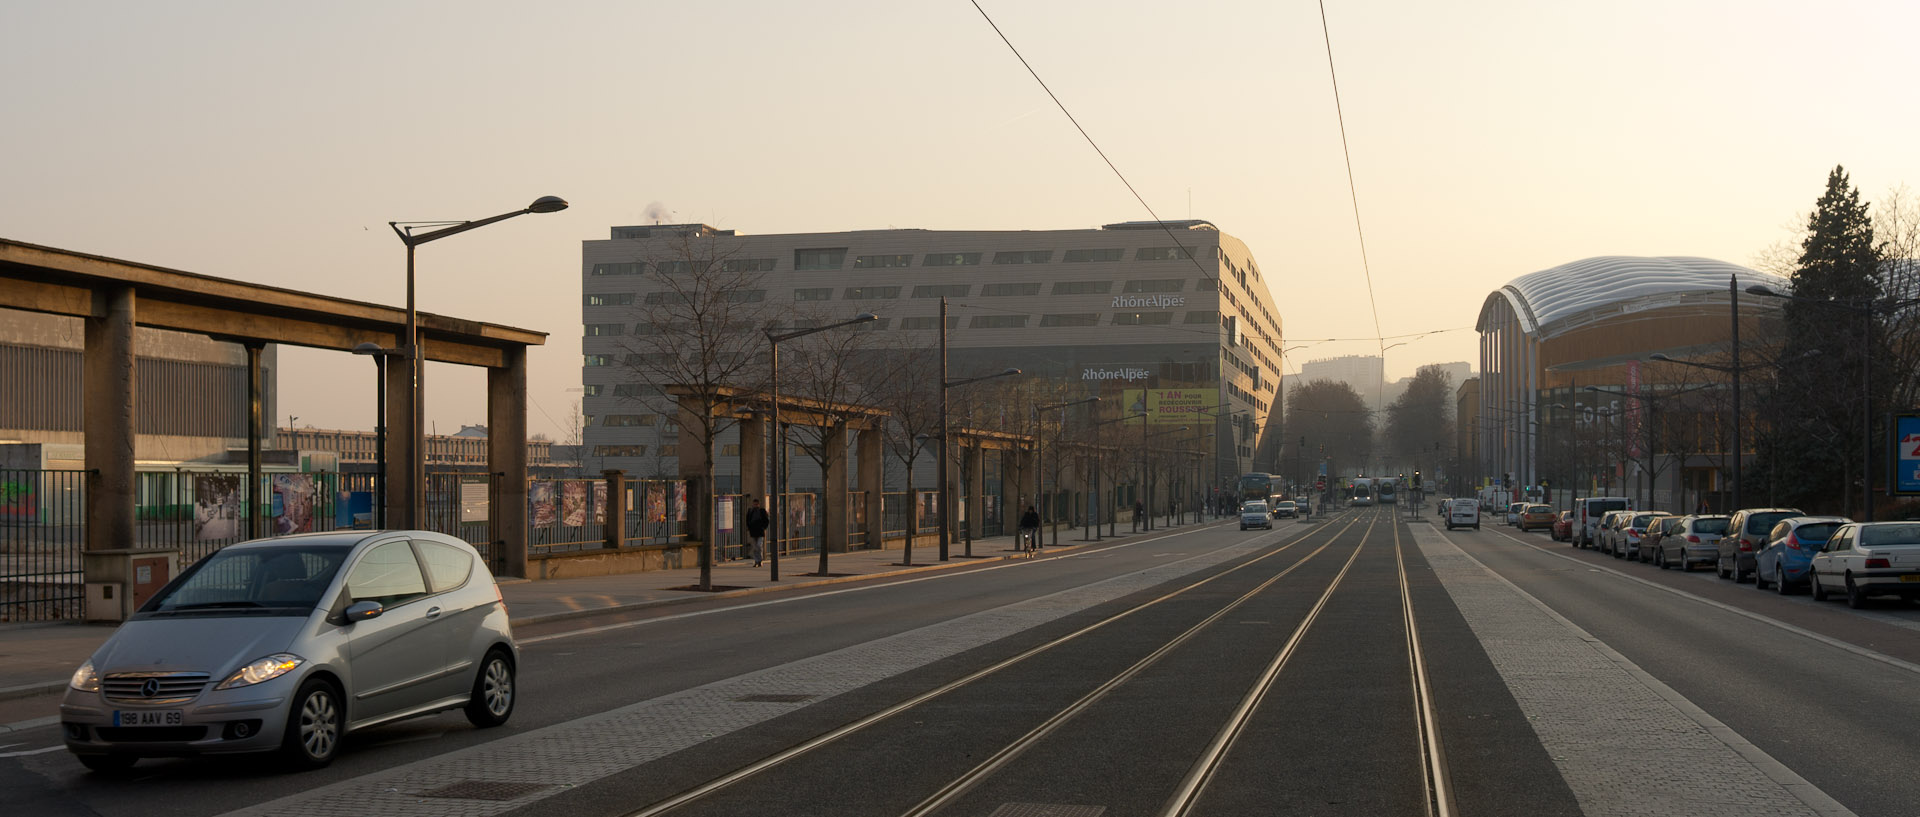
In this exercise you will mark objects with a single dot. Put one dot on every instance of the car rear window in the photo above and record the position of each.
(1597, 507)
(1762, 523)
(1710, 525)
(1871, 535)
(1642, 520)
(1816, 533)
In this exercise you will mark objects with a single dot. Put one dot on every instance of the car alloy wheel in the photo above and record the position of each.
(493, 693)
(313, 726)
(1780, 581)
(1856, 595)
(1813, 586)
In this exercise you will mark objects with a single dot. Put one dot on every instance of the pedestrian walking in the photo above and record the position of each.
(1030, 529)
(756, 530)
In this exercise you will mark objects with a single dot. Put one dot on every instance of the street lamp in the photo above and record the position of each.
(780, 443)
(379, 355)
(410, 344)
(1039, 483)
(946, 534)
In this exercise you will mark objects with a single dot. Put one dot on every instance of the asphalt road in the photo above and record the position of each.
(1104, 680)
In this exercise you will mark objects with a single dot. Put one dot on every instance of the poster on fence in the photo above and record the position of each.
(353, 510)
(541, 498)
(599, 503)
(573, 503)
(474, 501)
(679, 502)
(292, 503)
(929, 506)
(656, 503)
(216, 508)
(16, 497)
(723, 510)
(799, 511)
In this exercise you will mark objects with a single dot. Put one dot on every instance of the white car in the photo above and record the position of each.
(1463, 513)
(1868, 559)
(1255, 515)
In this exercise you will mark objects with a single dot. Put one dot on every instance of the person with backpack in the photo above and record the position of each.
(756, 520)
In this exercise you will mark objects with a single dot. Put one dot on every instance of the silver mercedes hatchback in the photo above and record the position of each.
(288, 644)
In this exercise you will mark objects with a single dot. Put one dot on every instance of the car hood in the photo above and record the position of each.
(211, 644)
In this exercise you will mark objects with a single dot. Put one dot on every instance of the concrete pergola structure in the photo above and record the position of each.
(1016, 461)
(112, 296)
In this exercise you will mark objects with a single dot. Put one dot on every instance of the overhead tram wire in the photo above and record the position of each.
(1352, 190)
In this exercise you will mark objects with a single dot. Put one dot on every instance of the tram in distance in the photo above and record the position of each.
(1360, 492)
(1385, 489)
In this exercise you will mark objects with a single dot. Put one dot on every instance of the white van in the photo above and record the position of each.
(1463, 513)
(1587, 514)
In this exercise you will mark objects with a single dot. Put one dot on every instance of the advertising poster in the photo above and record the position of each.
(929, 506)
(799, 511)
(573, 503)
(1906, 435)
(679, 502)
(541, 498)
(656, 503)
(16, 497)
(216, 508)
(474, 500)
(599, 503)
(724, 513)
(292, 503)
(354, 510)
(1172, 407)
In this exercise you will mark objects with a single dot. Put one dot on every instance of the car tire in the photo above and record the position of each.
(1660, 558)
(1780, 585)
(107, 764)
(493, 693)
(1739, 576)
(1813, 586)
(1759, 582)
(314, 726)
(1719, 570)
(1856, 595)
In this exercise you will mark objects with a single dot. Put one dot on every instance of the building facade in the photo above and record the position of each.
(1172, 318)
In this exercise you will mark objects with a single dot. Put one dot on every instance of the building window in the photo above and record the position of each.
(882, 261)
(1203, 316)
(1142, 318)
(1010, 290)
(593, 390)
(604, 330)
(813, 294)
(998, 322)
(622, 268)
(1163, 254)
(747, 265)
(1082, 287)
(819, 259)
(746, 296)
(635, 390)
(1023, 257)
(658, 298)
(942, 290)
(1207, 285)
(1077, 319)
(1082, 256)
(869, 326)
(950, 259)
(627, 420)
(599, 360)
(1156, 285)
(610, 299)
(870, 293)
(928, 322)
(730, 450)
(619, 450)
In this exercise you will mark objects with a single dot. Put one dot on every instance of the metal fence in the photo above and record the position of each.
(42, 517)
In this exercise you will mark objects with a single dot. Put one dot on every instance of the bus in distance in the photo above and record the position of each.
(1256, 486)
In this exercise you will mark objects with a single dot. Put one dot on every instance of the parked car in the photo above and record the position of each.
(1695, 540)
(291, 643)
(1536, 516)
(1746, 535)
(1285, 509)
(1562, 527)
(1658, 530)
(1254, 514)
(1631, 529)
(1783, 563)
(1463, 513)
(1864, 559)
(1588, 513)
(1514, 510)
(1603, 533)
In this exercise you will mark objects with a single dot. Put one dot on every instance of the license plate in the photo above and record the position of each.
(1911, 577)
(148, 717)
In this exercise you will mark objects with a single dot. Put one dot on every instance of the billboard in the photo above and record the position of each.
(1172, 407)
(1906, 460)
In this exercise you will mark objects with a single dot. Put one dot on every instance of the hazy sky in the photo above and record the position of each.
(272, 142)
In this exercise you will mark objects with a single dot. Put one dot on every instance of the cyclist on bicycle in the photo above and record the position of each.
(1030, 530)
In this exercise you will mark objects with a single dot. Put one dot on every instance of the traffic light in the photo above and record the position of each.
(1416, 478)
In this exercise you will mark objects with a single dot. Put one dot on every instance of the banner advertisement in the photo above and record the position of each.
(573, 503)
(292, 503)
(1172, 407)
(656, 503)
(1906, 437)
(679, 502)
(216, 508)
(541, 498)
(599, 503)
(354, 510)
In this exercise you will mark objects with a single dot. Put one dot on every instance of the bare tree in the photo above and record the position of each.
(904, 384)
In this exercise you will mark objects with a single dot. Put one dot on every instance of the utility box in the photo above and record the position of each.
(119, 581)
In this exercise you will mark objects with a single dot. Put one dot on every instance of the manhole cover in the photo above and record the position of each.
(1046, 810)
(773, 699)
(485, 790)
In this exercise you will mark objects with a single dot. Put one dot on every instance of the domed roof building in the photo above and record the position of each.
(1546, 336)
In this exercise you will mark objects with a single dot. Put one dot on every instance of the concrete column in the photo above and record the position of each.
(107, 375)
(867, 445)
(506, 459)
(257, 497)
(616, 510)
(753, 458)
(976, 488)
(401, 454)
(833, 506)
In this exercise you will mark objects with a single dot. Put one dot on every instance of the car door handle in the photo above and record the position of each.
(433, 612)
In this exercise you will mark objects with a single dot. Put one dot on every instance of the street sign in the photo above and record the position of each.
(1906, 435)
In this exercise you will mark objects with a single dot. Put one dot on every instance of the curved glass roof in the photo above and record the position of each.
(1550, 297)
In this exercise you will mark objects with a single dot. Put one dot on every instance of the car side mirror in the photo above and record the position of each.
(363, 610)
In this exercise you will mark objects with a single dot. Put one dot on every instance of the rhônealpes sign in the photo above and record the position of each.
(1123, 373)
(1148, 301)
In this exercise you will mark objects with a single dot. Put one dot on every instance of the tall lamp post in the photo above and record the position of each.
(410, 346)
(1039, 482)
(777, 508)
(379, 355)
(946, 498)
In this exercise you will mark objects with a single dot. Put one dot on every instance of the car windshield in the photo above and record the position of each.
(1761, 523)
(1904, 534)
(1714, 525)
(252, 579)
(1598, 507)
(1253, 507)
(1815, 533)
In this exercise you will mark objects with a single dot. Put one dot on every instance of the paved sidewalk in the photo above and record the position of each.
(37, 659)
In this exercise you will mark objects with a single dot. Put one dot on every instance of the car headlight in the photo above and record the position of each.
(262, 670)
(85, 679)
